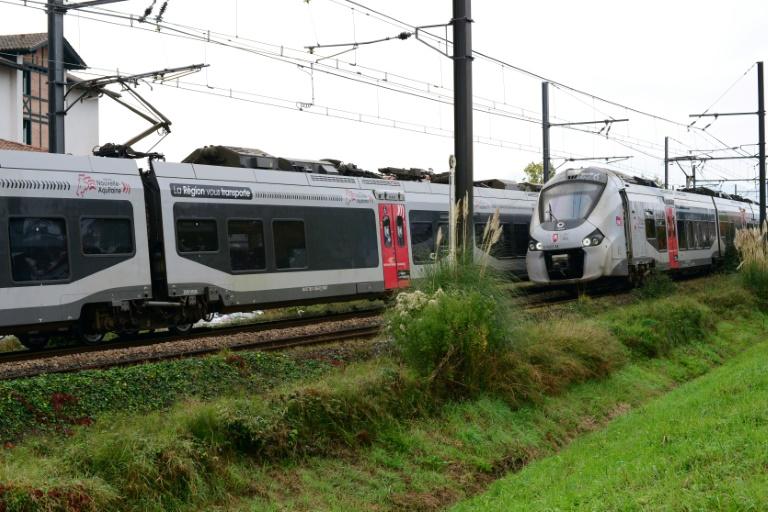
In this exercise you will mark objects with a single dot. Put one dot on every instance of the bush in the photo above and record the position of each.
(452, 327)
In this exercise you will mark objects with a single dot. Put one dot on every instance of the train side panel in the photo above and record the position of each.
(74, 236)
(253, 237)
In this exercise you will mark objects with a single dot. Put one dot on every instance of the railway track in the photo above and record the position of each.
(271, 335)
(541, 298)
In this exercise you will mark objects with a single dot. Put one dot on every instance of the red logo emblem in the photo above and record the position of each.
(85, 184)
(555, 238)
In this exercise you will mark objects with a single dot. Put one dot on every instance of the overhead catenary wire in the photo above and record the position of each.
(527, 116)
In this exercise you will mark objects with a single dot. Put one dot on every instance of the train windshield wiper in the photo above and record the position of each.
(551, 215)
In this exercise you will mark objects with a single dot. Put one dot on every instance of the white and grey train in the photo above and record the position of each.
(94, 245)
(593, 223)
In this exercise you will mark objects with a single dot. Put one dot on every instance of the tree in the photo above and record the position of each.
(534, 172)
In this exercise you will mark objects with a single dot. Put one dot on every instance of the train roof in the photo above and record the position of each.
(249, 158)
(595, 173)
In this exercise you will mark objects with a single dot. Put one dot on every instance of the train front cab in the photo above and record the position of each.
(577, 230)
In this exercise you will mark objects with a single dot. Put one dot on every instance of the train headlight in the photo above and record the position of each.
(594, 238)
(533, 245)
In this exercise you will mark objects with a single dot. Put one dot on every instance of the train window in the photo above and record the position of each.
(106, 236)
(521, 237)
(38, 249)
(505, 248)
(569, 200)
(246, 245)
(400, 228)
(682, 238)
(197, 235)
(650, 228)
(290, 244)
(422, 241)
(444, 232)
(479, 232)
(690, 235)
(661, 235)
(387, 231)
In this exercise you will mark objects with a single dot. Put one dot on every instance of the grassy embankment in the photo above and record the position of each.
(700, 447)
(473, 389)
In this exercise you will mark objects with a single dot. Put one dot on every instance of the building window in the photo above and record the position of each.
(27, 79)
(197, 235)
(106, 236)
(246, 245)
(27, 127)
(38, 249)
(290, 244)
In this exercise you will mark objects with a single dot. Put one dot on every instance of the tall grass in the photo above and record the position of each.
(461, 332)
(456, 320)
(751, 244)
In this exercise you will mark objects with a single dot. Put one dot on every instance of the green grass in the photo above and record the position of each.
(433, 462)
(369, 435)
(700, 447)
(58, 402)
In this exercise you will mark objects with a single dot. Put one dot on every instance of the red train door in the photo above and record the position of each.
(394, 245)
(401, 247)
(672, 247)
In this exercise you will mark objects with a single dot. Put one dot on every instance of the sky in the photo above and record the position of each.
(388, 104)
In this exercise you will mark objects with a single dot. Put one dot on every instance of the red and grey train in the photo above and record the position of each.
(593, 223)
(94, 245)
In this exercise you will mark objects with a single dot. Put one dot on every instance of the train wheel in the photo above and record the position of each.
(33, 341)
(91, 338)
(181, 328)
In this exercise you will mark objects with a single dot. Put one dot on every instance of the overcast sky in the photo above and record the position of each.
(670, 58)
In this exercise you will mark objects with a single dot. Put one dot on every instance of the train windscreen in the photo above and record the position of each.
(570, 200)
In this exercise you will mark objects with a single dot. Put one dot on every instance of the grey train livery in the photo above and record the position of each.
(95, 245)
(592, 223)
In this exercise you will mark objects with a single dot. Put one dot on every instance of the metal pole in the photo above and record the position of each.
(693, 174)
(666, 163)
(545, 128)
(56, 81)
(761, 135)
(462, 85)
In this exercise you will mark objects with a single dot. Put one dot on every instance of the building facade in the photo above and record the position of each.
(24, 96)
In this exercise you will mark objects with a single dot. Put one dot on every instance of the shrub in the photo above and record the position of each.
(452, 327)
(456, 321)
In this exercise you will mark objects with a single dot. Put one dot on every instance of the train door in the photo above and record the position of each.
(672, 247)
(394, 245)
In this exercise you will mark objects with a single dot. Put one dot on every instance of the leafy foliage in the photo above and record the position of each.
(57, 402)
